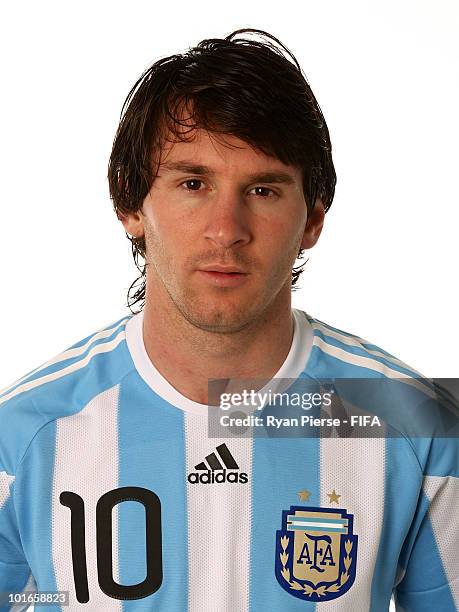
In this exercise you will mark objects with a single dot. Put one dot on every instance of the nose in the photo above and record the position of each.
(227, 223)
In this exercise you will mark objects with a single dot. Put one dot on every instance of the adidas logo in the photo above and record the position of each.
(214, 471)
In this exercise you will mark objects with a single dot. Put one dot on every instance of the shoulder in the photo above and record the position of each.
(412, 405)
(350, 354)
(61, 386)
(368, 371)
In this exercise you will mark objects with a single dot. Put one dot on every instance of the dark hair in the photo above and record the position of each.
(242, 87)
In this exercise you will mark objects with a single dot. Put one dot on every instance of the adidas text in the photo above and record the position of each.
(211, 477)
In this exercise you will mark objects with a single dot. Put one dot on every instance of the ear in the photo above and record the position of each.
(132, 222)
(314, 224)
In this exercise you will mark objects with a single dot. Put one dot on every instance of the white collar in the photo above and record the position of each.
(294, 363)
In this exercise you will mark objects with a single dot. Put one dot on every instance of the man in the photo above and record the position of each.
(111, 487)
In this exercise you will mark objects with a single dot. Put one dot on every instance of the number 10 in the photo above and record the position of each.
(104, 507)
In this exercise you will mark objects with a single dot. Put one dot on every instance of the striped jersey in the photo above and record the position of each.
(112, 490)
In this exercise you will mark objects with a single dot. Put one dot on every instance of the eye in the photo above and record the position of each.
(265, 189)
(194, 184)
(191, 184)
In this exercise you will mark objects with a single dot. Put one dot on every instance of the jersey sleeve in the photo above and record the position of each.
(17, 425)
(15, 574)
(428, 571)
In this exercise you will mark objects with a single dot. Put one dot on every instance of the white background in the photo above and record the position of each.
(386, 77)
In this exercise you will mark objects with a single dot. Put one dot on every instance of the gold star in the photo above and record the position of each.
(333, 496)
(304, 495)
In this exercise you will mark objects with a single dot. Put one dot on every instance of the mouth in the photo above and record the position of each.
(223, 279)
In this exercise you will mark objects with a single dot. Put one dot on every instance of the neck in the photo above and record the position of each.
(188, 356)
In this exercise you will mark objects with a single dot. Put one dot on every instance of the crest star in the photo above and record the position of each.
(304, 495)
(333, 496)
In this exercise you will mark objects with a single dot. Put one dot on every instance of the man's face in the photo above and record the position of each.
(214, 205)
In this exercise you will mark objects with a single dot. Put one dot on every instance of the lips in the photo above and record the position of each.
(217, 278)
(222, 269)
(223, 273)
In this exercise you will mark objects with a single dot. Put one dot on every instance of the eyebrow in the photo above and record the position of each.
(263, 177)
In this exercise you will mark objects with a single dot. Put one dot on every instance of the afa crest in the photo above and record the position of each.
(316, 552)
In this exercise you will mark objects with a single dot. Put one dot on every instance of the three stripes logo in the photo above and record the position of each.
(221, 468)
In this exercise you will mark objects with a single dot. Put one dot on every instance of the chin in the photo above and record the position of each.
(218, 317)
